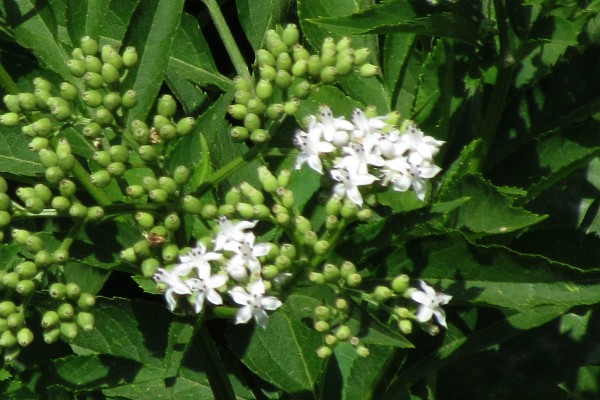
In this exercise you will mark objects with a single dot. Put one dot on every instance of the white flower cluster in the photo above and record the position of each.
(235, 256)
(366, 150)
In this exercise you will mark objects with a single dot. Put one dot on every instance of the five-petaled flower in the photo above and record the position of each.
(430, 303)
(254, 303)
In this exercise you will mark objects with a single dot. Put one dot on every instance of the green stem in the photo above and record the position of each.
(214, 366)
(228, 40)
(7, 83)
(84, 179)
(70, 238)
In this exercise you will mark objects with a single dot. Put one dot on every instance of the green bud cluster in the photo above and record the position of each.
(286, 72)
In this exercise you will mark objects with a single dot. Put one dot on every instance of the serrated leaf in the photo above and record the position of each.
(400, 16)
(85, 17)
(284, 354)
(35, 29)
(256, 18)
(152, 33)
(15, 157)
(494, 276)
(366, 373)
(117, 19)
(488, 210)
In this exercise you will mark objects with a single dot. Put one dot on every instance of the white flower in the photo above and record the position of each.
(430, 304)
(175, 285)
(246, 253)
(413, 140)
(229, 232)
(360, 155)
(204, 287)
(349, 184)
(311, 147)
(331, 125)
(365, 126)
(254, 303)
(196, 258)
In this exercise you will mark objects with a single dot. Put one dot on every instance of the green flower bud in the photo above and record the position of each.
(24, 337)
(5, 202)
(78, 210)
(25, 287)
(362, 351)
(227, 210)
(3, 325)
(9, 119)
(61, 204)
(11, 101)
(237, 111)
(269, 272)
(43, 259)
(368, 70)
(92, 64)
(102, 157)
(135, 191)
(301, 89)
(300, 53)
(267, 180)
(41, 98)
(86, 321)
(147, 153)
(361, 56)
(34, 244)
(61, 256)
(331, 272)
(66, 162)
(283, 79)
(149, 183)
(290, 107)
(89, 46)
(245, 210)
(252, 122)
(57, 291)
(100, 178)
(259, 136)
(50, 319)
(274, 43)
(20, 236)
(158, 196)
(67, 188)
(130, 57)
(347, 268)
(331, 222)
(149, 267)
(321, 326)
(364, 215)
(172, 222)
(43, 192)
(51, 336)
(324, 352)
(102, 116)
(353, 280)
(242, 84)
(274, 111)
(242, 97)
(10, 280)
(400, 283)
(344, 64)
(239, 134)
(209, 211)
(328, 74)
(233, 196)
(68, 330)
(129, 99)
(166, 106)
(27, 269)
(8, 339)
(302, 224)
(328, 45)
(328, 58)
(316, 277)
(170, 253)
(86, 301)
(111, 101)
(93, 80)
(382, 293)
(322, 313)
(167, 184)
(191, 205)
(181, 175)
(141, 249)
(343, 44)
(77, 68)
(73, 291)
(267, 72)
(5, 218)
(284, 62)
(256, 106)
(42, 127)
(349, 209)
(92, 98)
(128, 255)
(264, 89)
(119, 153)
(288, 250)
(65, 311)
(343, 332)
(116, 169)
(300, 68)
(7, 308)
(264, 56)
(290, 35)
(95, 213)
(315, 65)
(109, 73)
(110, 55)
(185, 126)
(15, 320)
(405, 326)
(144, 220)
(283, 262)
(34, 205)
(63, 147)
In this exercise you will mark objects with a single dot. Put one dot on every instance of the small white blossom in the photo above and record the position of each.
(311, 147)
(203, 287)
(254, 303)
(246, 255)
(349, 183)
(229, 232)
(414, 140)
(331, 125)
(175, 285)
(196, 258)
(430, 304)
(364, 126)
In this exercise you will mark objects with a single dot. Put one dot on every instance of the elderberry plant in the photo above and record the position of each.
(344, 203)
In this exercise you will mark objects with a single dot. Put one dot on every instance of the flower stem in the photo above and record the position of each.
(214, 366)
(84, 179)
(6, 82)
(228, 40)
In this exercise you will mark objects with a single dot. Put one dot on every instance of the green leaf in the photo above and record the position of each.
(396, 50)
(284, 354)
(15, 157)
(399, 16)
(90, 279)
(152, 32)
(494, 276)
(197, 75)
(85, 17)
(35, 28)
(256, 17)
(373, 332)
(488, 210)
(117, 19)
(367, 374)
